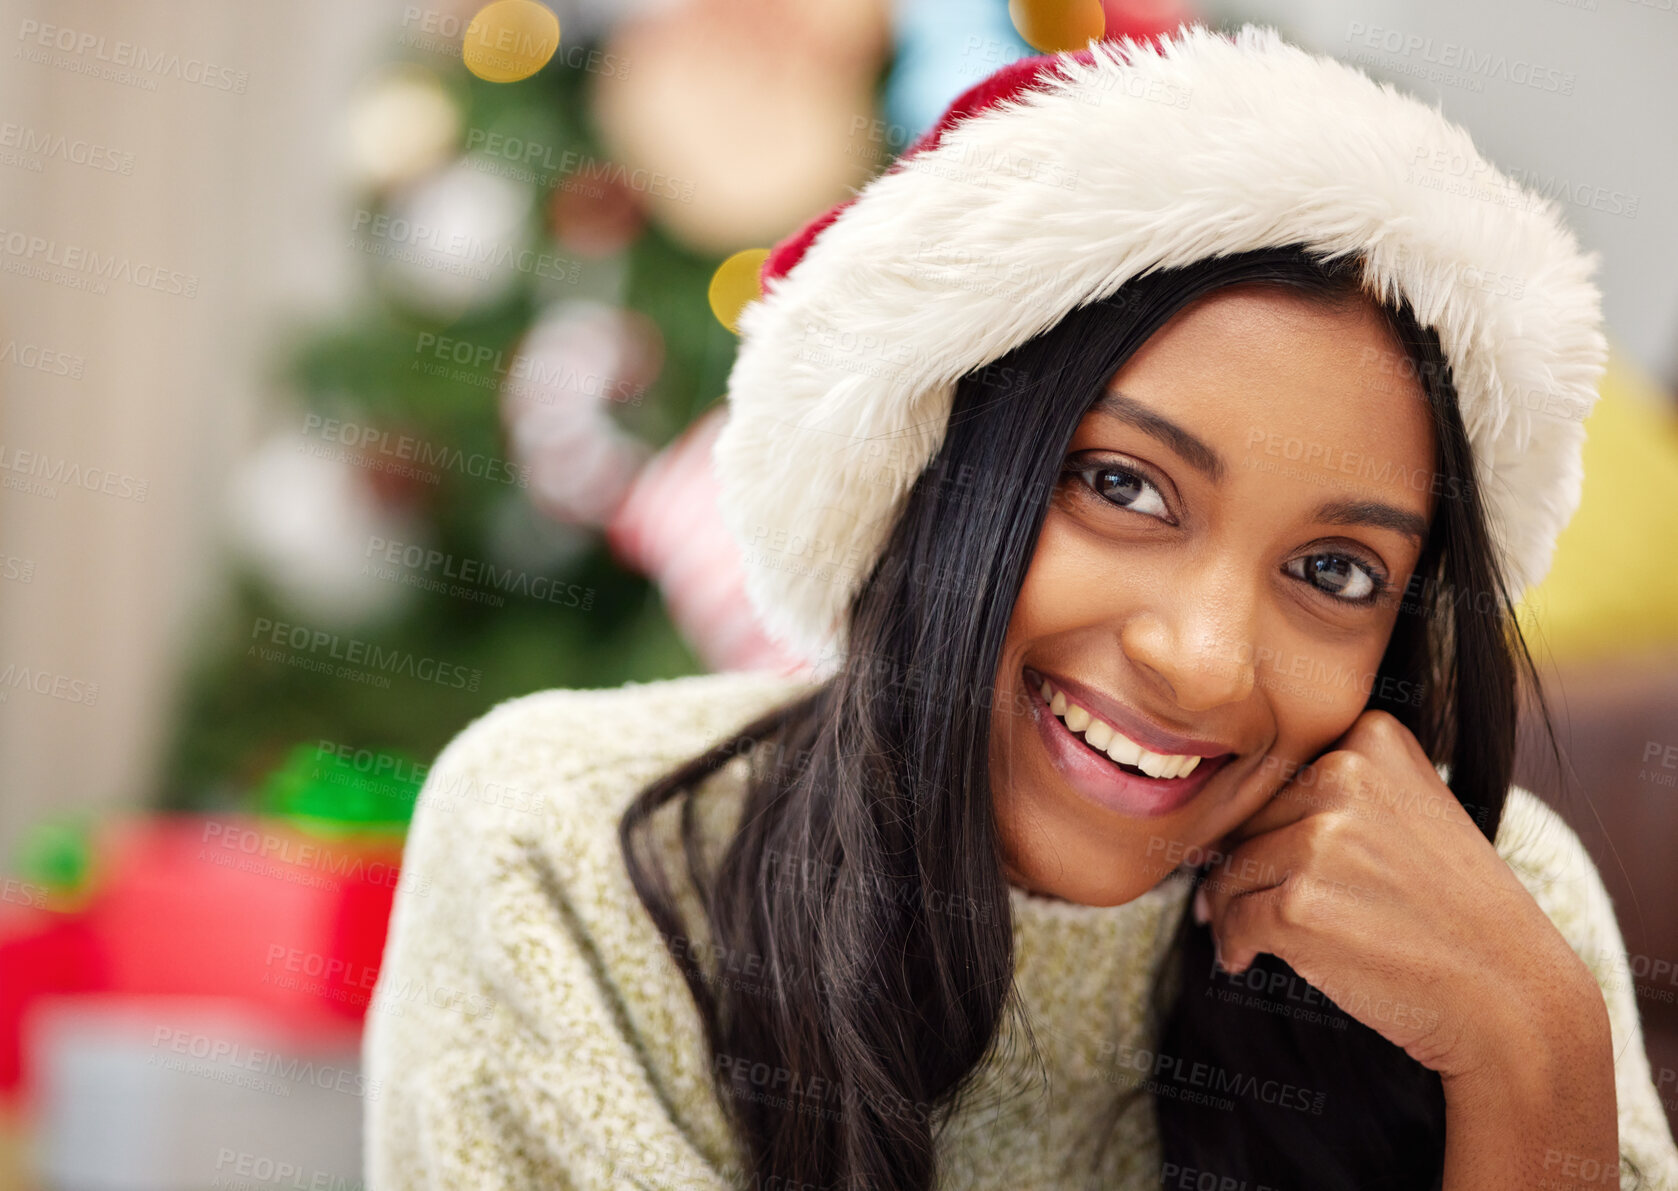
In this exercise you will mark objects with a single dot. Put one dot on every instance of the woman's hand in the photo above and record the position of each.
(1367, 876)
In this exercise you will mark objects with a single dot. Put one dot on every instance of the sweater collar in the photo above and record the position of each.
(1084, 973)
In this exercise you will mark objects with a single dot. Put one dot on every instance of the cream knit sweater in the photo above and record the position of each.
(529, 1028)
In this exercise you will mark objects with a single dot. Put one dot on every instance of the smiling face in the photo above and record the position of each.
(1217, 577)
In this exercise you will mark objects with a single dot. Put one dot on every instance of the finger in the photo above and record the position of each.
(1302, 892)
(1243, 872)
(1248, 867)
(1254, 896)
(1378, 733)
(1350, 773)
(1251, 926)
(1308, 790)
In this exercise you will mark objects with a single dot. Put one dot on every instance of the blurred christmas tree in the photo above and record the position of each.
(422, 532)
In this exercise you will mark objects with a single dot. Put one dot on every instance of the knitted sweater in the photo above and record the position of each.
(530, 1029)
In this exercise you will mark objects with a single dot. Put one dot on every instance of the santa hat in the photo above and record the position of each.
(1057, 179)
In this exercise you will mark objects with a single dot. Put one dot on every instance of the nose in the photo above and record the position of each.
(1197, 641)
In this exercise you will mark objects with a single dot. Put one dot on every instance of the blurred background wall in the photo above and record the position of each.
(242, 195)
(1595, 135)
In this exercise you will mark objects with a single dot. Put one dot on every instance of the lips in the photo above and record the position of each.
(1149, 736)
(1103, 781)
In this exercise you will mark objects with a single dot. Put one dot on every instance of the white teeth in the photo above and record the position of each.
(1123, 749)
(1183, 767)
(1104, 737)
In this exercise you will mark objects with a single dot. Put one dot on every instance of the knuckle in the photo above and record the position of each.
(1346, 769)
(1292, 901)
(1358, 765)
(1382, 725)
(1327, 834)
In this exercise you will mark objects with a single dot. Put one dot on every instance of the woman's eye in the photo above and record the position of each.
(1342, 577)
(1125, 488)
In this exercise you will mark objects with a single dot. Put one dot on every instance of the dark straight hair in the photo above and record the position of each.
(877, 779)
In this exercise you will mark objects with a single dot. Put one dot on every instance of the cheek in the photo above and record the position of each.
(1315, 692)
(1073, 582)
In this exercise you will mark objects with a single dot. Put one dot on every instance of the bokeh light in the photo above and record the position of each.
(510, 40)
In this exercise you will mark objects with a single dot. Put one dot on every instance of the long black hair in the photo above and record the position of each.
(868, 800)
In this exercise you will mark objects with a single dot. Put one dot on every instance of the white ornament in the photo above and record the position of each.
(306, 517)
(455, 242)
(403, 126)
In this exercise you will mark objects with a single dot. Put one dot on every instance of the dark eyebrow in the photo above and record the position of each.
(1198, 455)
(1207, 461)
(1373, 512)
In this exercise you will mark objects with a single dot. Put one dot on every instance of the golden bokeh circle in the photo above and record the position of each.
(509, 40)
(1050, 26)
(734, 284)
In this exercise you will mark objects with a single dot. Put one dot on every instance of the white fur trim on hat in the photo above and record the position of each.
(1207, 145)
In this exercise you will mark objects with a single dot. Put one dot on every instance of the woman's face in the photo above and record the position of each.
(1217, 577)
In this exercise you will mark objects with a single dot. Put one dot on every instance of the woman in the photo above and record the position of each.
(1151, 457)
